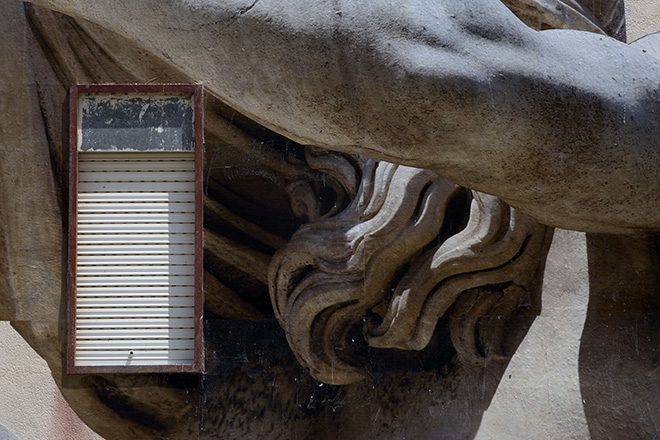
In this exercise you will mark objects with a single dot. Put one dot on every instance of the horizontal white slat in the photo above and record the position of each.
(134, 355)
(106, 197)
(135, 249)
(116, 165)
(133, 362)
(135, 228)
(149, 301)
(136, 238)
(105, 362)
(134, 176)
(137, 354)
(136, 344)
(135, 186)
(84, 208)
(176, 280)
(135, 323)
(130, 333)
(95, 270)
(135, 312)
(140, 363)
(97, 156)
(83, 291)
(161, 217)
(84, 260)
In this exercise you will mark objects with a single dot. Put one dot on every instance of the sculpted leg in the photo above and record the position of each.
(560, 124)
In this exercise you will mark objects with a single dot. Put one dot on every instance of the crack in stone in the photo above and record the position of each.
(245, 10)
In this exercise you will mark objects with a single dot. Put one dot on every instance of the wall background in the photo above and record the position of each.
(31, 405)
(642, 18)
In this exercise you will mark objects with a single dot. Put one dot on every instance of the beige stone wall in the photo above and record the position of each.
(642, 18)
(31, 405)
(542, 380)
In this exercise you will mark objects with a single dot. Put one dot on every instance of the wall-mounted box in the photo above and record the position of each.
(135, 229)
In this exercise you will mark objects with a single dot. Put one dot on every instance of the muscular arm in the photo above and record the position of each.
(561, 124)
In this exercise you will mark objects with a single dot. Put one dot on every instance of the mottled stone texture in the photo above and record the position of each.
(560, 124)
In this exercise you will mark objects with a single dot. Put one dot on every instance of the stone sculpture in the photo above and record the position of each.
(362, 252)
(407, 248)
(431, 86)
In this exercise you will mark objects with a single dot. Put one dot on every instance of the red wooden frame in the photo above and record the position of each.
(197, 92)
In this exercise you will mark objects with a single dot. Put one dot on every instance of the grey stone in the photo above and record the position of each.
(560, 124)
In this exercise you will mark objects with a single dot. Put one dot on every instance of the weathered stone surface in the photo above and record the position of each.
(381, 84)
(603, 17)
(410, 249)
(44, 53)
(559, 124)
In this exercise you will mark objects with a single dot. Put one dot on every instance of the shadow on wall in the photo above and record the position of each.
(619, 353)
(6, 434)
(255, 388)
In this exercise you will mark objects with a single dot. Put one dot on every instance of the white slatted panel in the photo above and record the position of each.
(135, 259)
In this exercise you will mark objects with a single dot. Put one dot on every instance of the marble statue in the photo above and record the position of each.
(431, 84)
(382, 178)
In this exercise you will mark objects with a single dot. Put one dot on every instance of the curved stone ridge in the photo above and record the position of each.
(404, 250)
